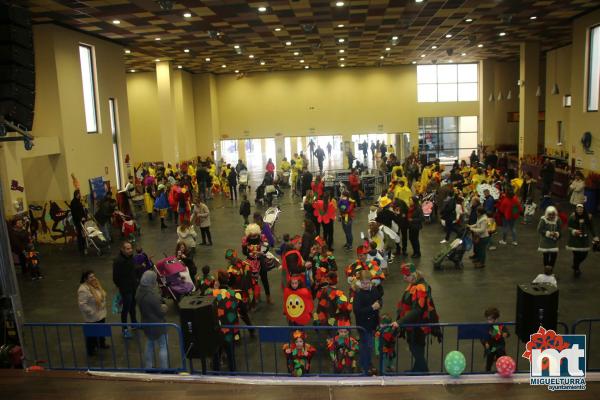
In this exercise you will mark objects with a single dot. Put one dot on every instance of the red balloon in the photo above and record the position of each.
(505, 366)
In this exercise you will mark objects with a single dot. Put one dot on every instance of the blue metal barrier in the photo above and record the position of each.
(584, 326)
(63, 346)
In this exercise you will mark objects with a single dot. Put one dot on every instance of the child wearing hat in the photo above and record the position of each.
(343, 349)
(298, 354)
(161, 204)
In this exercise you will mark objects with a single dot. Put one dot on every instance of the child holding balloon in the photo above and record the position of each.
(494, 344)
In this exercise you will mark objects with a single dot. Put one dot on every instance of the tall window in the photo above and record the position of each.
(86, 59)
(594, 69)
(449, 82)
(112, 107)
(447, 138)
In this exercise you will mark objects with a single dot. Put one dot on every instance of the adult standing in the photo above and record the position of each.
(19, 239)
(577, 188)
(201, 218)
(91, 298)
(308, 238)
(265, 229)
(125, 279)
(78, 214)
(367, 303)
(106, 208)
(326, 211)
(416, 307)
(305, 180)
(474, 158)
(203, 177)
(153, 311)
(481, 237)
(581, 229)
(320, 155)
(351, 159)
(346, 208)
(415, 224)
(449, 216)
(547, 174)
(549, 232)
(354, 183)
(329, 147)
(491, 160)
(365, 149)
(309, 211)
(232, 180)
(311, 148)
(509, 208)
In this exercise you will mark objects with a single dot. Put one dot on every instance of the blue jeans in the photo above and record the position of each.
(365, 349)
(347, 227)
(163, 354)
(128, 308)
(508, 225)
(105, 228)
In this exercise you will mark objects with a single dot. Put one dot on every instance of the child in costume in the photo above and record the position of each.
(149, 201)
(240, 277)
(252, 246)
(346, 207)
(298, 354)
(297, 302)
(292, 263)
(323, 262)
(331, 303)
(343, 349)
(33, 262)
(285, 246)
(385, 342)
(361, 264)
(206, 282)
(161, 203)
(494, 344)
(245, 209)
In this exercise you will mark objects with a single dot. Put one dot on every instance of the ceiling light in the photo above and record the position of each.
(340, 25)
(187, 15)
(388, 48)
(502, 34)
(422, 55)
(463, 54)
(339, 4)
(343, 59)
(341, 40)
(262, 9)
(207, 59)
(301, 61)
(116, 21)
(237, 71)
(251, 56)
(434, 47)
(381, 57)
(132, 70)
(450, 61)
(236, 46)
(296, 53)
(418, 1)
(179, 67)
(448, 35)
(224, 66)
(277, 29)
(533, 17)
(186, 50)
(414, 62)
(127, 51)
(306, 67)
(394, 37)
(157, 60)
(342, 65)
(288, 43)
(480, 45)
(157, 38)
(342, 50)
(469, 20)
(262, 63)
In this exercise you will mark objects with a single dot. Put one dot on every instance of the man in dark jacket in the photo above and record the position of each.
(547, 174)
(367, 302)
(320, 154)
(232, 179)
(125, 279)
(106, 208)
(306, 180)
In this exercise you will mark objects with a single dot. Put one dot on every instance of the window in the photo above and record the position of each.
(594, 69)
(447, 138)
(112, 109)
(229, 151)
(86, 59)
(449, 82)
(561, 132)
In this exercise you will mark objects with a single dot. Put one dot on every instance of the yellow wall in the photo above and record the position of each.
(557, 69)
(144, 115)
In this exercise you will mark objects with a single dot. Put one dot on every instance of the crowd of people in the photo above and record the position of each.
(471, 200)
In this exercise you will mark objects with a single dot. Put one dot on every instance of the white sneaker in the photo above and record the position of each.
(443, 241)
(492, 248)
(502, 242)
(514, 243)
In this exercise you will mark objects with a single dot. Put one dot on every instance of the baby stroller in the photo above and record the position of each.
(93, 236)
(174, 278)
(271, 216)
(129, 228)
(454, 251)
(284, 178)
(427, 206)
(243, 181)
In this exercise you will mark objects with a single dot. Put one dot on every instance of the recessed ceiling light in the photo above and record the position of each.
(262, 9)
(306, 67)
(157, 38)
(414, 62)
(480, 45)
(418, 1)
(301, 61)
(388, 48)
(132, 70)
(187, 15)
(296, 53)
(434, 47)
(237, 71)
(502, 34)
(207, 59)
(340, 25)
(262, 63)
(341, 40)
(339, 4)
(394, 37)
(251, 56)
(469, 20)
(116, 21)
(342, 65)
(381, 57)
(448, 35)
(224, 66)
(179, 67)
(463, 54)
(533, 17)
(186, 50)
(422, 55)
(342, 50)
(288, 43)
(343, 59)
(127, 51)
(157, 60)
(236, 46)
(449, 61)
(277, 29)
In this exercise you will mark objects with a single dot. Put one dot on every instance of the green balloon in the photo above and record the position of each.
(455, 363)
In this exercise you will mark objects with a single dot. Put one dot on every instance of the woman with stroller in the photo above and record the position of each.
(481, 237)
(92, 304)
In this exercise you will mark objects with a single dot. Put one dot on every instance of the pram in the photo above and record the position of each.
(93, 236)
(243, 181)
(454, 251)
(271, 216)
(284, 178)
(129, 228)
(174, 277)
(266, 193)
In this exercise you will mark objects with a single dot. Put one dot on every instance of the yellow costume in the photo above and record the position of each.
(285, 166)
(403, 193)
(148, 203)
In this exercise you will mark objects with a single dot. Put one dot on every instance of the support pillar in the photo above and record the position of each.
(487, 111)
(166, 103)
(529, 74)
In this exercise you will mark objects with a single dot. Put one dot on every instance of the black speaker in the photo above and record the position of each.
(17, 69)
(537, 304)
(200, 325)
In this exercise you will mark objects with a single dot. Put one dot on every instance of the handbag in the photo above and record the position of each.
(117, 303)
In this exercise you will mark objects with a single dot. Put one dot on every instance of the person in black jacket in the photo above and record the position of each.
(415, 224)
(78, 214)
(125, 279)
(367, 302)
(106, 208)
(232, 179)
(306, 180)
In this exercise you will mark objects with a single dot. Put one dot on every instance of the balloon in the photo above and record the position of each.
(455, 363)
(505, 366)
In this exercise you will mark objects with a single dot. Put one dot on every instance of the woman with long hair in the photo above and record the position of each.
(92, 304)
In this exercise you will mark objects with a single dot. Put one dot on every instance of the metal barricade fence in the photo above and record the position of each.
(585, 326)
(259, 352)
(464, 337)
(63, 346)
